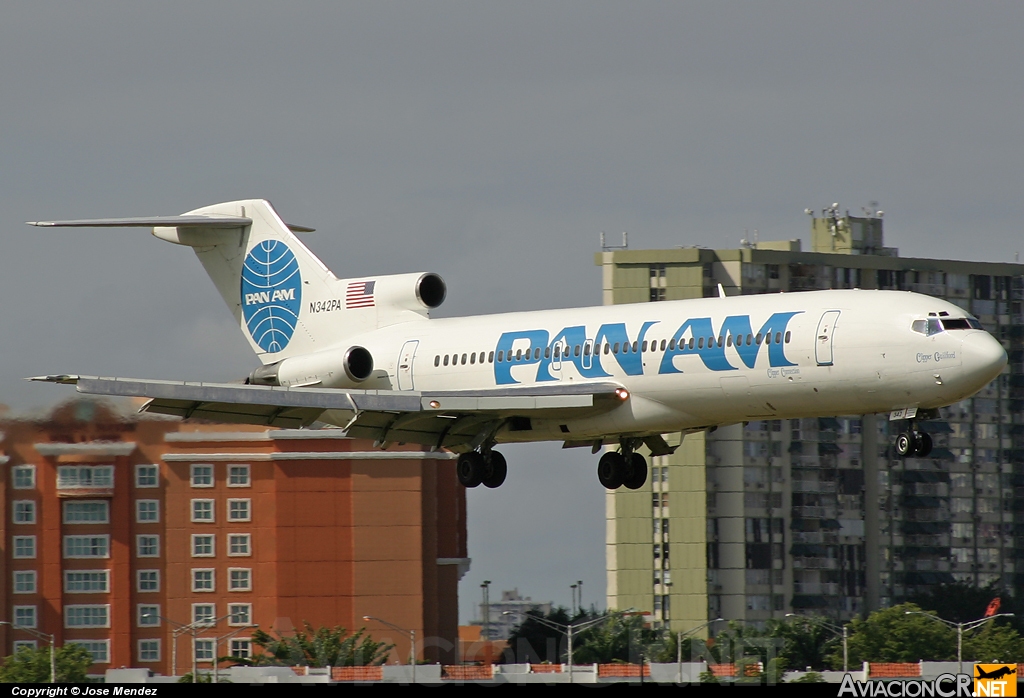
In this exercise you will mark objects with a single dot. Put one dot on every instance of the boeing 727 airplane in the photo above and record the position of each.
(363, 354)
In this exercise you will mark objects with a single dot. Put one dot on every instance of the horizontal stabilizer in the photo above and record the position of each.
(150, 222)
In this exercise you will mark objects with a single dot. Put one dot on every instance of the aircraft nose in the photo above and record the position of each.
(983, 356)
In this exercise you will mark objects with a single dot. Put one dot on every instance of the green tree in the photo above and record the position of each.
(805, 643)
(534, 642)
(890, 635)
(322, 647)
(993, 643)
(30, 665)
(620, 638)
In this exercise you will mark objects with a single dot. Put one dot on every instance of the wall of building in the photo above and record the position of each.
(816, 515)
(273, 528)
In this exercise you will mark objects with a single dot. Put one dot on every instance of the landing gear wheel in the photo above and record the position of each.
(638, 471)
(610, 470)
(496, 469)
(904, 444)
(470, 469)
(922, 444)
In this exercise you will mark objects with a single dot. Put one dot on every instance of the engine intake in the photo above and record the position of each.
(358, 364)
(431, 290)
(320, 368)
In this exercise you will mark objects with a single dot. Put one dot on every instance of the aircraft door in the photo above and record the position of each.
(405, 359)
(823, 338)
(557, 354)
(588, 354)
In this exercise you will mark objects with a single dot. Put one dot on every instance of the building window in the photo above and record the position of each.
(24, 616)
(241, 614)
(202, 510)
(86, 512)
(202, 580)
(24, 547)
(149, 615)
(202, 475)
(147, 476)
(25, 582)
(24, 477)
(24, 511)
(149, 650)
(238, 510)
(70, 477)
(203, 613)
(202, 546)
(19, 645)
(87, 582)
(242, 649)
(86, 546)
(240, 579)
(147, 511)
(148, 580)
(147, 546)
(238, 545)
(87, 616)
(238, 476)
(204, 650)
(99, 649)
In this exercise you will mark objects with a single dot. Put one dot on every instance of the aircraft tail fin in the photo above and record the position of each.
(261, 269)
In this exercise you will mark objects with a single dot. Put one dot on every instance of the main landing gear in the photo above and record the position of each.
(913, 443)
(487, 469)
(623, 467)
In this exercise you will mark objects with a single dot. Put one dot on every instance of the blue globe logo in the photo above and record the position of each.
(271, 294)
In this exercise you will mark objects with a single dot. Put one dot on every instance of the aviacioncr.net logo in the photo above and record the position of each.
(271, 294)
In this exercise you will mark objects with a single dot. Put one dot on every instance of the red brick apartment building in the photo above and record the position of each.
(117, 532)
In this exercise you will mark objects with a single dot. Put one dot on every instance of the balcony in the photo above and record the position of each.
(85, 481)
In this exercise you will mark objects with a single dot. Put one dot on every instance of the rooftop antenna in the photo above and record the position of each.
(624, 246)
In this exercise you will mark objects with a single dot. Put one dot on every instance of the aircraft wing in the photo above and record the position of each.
(457, 419)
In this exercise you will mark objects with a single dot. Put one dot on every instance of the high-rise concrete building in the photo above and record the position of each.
(123, 534)
(756, 520)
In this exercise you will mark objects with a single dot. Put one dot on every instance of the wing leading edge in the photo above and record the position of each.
(452, 419)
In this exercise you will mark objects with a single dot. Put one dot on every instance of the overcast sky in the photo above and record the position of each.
(490, 143)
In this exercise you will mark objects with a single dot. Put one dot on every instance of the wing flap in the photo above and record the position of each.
(439, 418)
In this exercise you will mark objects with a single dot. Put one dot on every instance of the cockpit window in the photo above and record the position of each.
(935, 325)
(960, 323)
(927, 327)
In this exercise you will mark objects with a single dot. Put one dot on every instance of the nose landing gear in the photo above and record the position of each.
(913, 444)
(475, 468)
(624, 467)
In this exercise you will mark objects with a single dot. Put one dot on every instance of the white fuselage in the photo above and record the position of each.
(698, 362)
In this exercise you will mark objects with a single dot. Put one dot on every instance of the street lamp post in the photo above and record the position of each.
(838, 630)
(960, 627)
(412, 640)
(679, 643)
(42, 636)
(486, 586)
(567, 629)
(216, 643)
(193, 629)
(573, 588)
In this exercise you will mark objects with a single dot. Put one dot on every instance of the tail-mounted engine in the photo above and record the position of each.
(332, 369)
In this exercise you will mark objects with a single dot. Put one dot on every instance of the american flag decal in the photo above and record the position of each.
(359, 294)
